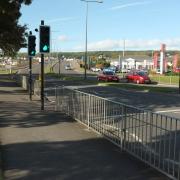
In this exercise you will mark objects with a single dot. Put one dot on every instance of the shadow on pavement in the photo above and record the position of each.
(29, 117)
(91, 159)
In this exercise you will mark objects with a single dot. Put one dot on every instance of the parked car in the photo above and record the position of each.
(68, 67)
(107, 76)
(95, 69)
(125, 70)
(114, 68)
(139, 77)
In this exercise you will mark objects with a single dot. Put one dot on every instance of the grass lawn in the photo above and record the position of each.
(73, 78)
(144, 88)
(140, 87)
(7, 71)
(166, 79)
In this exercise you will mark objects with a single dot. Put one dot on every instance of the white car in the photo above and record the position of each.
(94, 69)
(68, 67)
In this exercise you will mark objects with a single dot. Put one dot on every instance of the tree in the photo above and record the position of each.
(12, 34)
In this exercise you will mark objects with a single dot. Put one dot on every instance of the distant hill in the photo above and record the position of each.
(106, 54)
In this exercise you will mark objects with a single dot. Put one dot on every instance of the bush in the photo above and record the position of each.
(170, 73)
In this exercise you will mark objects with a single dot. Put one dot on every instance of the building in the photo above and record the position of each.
(176, 63)
(160, 60)
(138, 63)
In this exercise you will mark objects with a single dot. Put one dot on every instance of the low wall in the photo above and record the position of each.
(22, 81)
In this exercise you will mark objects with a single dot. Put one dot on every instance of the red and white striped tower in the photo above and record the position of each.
(162, 59)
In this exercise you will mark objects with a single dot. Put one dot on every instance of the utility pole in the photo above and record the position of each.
(120, 64)
(86, 48)
(124, 45)
(59, 58)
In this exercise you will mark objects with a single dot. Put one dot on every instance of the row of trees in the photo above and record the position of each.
(12, 34)
(107, 54)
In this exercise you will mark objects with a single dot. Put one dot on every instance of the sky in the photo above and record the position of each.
(112, 25)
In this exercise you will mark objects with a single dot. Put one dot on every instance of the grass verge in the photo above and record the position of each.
(76, 79)
(144, 88)
(139, 87)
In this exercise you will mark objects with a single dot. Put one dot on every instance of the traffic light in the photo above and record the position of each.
(44, 39)
(31, 45)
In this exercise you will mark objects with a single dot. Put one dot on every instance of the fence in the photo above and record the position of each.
(170, 80)
(153, 138)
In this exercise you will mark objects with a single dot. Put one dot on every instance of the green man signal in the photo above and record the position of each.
(31, 45)
(44, 39)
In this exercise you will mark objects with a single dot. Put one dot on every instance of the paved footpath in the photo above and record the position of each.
(47, 145)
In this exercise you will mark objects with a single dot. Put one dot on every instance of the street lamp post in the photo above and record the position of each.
(86, 50)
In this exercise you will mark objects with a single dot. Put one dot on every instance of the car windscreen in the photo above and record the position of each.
(142, 73)
(109, 73)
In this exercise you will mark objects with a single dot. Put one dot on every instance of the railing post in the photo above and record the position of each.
(150, 134)
(104, 117)
(124, 128)
(179, 167)
(89, 105)
(170, 80)
(56, 101)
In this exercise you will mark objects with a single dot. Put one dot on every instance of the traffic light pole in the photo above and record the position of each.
(42, 81)
(42, 77)
(30, 74)
(30, 78)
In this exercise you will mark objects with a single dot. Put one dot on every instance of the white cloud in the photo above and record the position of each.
(129, 5)
(138, 44)
(64, 19)
(63, 38)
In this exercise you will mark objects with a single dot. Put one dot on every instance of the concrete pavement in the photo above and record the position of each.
(47, 145)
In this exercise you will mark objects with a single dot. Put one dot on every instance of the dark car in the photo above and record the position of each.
(139, 77)
(107, 76)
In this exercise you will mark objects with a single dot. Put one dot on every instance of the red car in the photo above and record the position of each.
(107, 76)
(138, 77)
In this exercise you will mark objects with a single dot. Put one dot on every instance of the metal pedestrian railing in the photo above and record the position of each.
(153, 138)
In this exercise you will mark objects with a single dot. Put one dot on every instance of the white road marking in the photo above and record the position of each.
(141, 141)
(174, 110)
